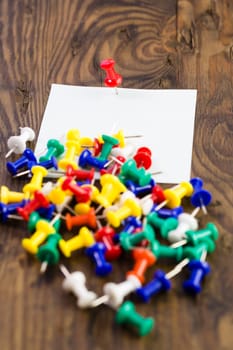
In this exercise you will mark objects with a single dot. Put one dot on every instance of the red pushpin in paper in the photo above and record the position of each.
(112, 79)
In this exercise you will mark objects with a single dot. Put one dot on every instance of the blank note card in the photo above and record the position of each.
(165, 118)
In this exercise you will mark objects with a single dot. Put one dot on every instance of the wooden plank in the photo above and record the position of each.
(156, 44)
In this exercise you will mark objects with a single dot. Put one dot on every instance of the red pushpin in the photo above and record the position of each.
(112, 79)
(143, 157)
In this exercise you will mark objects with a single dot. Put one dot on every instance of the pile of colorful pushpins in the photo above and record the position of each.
(111, 206)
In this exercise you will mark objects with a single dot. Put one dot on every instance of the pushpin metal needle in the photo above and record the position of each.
(10, 152)
(101, 300)
(177, 269)
(64, 270)
(43, 267)
(22, 173)
(203, 255)
(195, 211)
(56, 217)
(12, 216)
(179, 243)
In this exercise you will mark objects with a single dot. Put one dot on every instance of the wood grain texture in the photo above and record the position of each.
(156, 44)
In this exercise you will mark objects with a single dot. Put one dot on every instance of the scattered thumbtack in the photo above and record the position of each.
(198, 270)
(127, 315)
(49, 253)
(17, 144)
(75, 283)
(160, 282)
(143, 157)
(200, 197)
(186, 222)
(115, 293)
(175, 194)
(112, 79)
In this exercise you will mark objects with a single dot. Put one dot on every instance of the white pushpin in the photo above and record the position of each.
(114, 293)
(47, 188)
(75, 283)
(185, 222)
(17, 144)
(125, 152)
(146, 204)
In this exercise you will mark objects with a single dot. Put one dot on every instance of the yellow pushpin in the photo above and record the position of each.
(73, 148)
(43, 229)
(7, 196)
(35, 184)
(175, 194)
(129, 208)
(83, 239)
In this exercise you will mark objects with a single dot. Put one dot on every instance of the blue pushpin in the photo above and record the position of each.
(161, 282)
(200, 197)
(158, 284)
(199, 269)
(87, 160)
(28, 156)
(47, 213)
(50, 163)
(97, 253)
(140, 190)
(7, 211)
(166, 213)
(130, 224)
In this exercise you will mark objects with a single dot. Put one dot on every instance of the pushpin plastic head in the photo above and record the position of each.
(199, 269)
(55, 148)
(17, 144)
(143, 157)
(97, 253)
(158, 284)
(48, 252)
(28, 156)
(129, 208)
(200, 196)
(174, 195)
(127, 314)
(7, 196)
(36, 182)
(112, 79)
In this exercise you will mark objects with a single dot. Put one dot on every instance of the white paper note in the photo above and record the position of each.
(165, 118)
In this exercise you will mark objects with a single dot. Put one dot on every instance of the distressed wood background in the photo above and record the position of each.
(157, 44)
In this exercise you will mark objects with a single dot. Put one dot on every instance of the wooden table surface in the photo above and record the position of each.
(157, 45)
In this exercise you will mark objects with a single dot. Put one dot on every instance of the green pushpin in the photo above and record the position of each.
(48, 253)
(128, 241)
(109, 143)
(122, 178)
(55, 149)
(164, 225)
(35, 217)
(209, 232)
(130, 171)
(195, 253)
(127, 314)
(163, 251)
